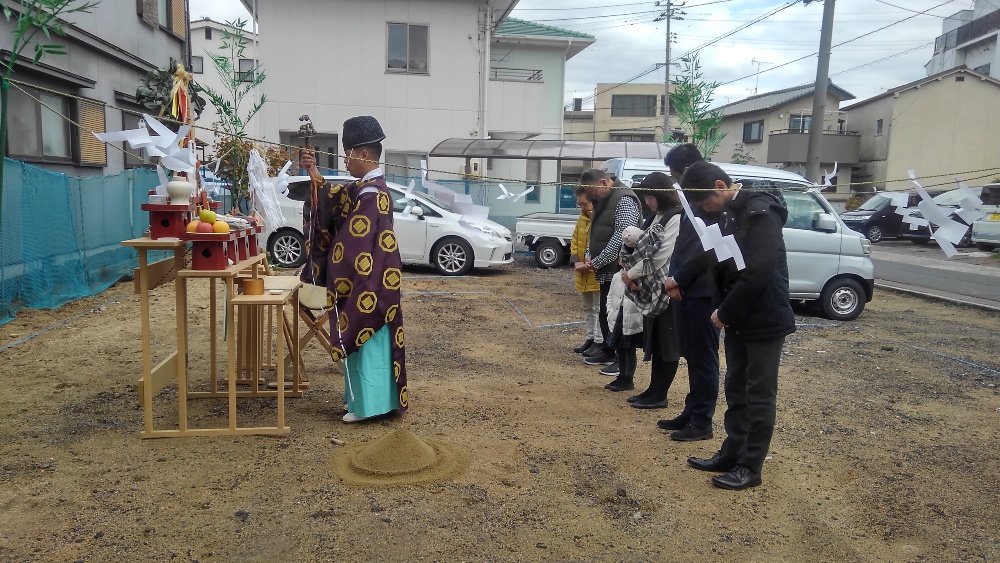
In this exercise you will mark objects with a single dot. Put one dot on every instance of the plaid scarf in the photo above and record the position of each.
(652, 298)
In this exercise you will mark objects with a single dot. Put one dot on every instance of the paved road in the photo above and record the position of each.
(971, 277)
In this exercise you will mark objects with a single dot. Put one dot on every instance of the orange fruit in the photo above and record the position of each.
(192, 227)
(220, 227)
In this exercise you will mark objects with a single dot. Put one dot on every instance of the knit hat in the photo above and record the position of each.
(362, 130)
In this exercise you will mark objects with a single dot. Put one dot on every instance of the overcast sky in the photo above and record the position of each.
(629, 42)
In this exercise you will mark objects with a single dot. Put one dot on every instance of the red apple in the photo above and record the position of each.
(204, 227)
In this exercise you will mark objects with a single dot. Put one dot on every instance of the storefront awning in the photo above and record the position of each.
(548, 150)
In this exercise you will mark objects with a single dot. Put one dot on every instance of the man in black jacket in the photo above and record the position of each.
(757, 316)
(692, 285)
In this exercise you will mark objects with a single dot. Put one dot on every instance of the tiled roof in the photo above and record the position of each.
(777, 98)
(514, 26)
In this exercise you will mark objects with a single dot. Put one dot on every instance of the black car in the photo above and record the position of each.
(877, 218)
(950, 199)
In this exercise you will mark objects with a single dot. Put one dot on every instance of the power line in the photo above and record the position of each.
(837, 45)
(883, 59)
(909, 10)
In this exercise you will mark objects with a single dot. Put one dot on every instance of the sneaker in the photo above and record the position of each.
(673, 424)
(601, 359)
(692, 434)
(595, 349)
(584, 347)
(611, 370)
(351, 417)
(620, 384)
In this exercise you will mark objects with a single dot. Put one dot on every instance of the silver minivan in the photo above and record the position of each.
(827, 262)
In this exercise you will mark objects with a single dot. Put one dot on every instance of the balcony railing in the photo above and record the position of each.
(516, 74)
(791, 145)
(975, 29)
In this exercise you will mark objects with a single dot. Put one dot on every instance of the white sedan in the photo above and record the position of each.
(431, 234)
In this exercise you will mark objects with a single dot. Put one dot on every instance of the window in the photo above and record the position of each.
(985, 69)
(141, 158)
(325, 145)
(634, 137)
(208, 33)
(197, 65)
(533, 177)
(799, 123)
(407, 48)
(246, 70)
(672, 108)
(878, 127)
(37, 132)
(630, 105)
(803, 210)
(402, 166)
(753, 131)
(163, 12)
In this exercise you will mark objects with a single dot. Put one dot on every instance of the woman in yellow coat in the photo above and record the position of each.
(586, 283)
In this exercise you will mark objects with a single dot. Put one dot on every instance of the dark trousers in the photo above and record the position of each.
(660, 378)
(751, 393)
(700, 340)
(603, 317)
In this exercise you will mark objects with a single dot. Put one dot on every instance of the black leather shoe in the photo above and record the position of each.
(594, 350)
(583, 347)
(649, 403)
(642, 395)
(620, 384)
(741, 477)
(715, 463)
(692, 434)
(673, 423)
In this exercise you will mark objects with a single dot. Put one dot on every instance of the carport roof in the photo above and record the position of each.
(548, 149)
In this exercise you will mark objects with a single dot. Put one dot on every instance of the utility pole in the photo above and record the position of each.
(670, 13)
(819, 96)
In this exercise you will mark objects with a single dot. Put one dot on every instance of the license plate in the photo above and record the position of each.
(994, 216)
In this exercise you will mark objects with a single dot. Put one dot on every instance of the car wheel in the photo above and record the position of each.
(287, 249)
(453, 257)
(874, 234)
(843, 299)
(549, 254)
(985, 246)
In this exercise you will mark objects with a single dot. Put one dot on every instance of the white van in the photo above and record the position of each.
(827, 261)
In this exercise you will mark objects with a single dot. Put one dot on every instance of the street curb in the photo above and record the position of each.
(935, 297)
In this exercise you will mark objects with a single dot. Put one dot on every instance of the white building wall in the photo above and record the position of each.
(201, 47)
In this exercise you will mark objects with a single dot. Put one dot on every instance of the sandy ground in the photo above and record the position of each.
(886, 446)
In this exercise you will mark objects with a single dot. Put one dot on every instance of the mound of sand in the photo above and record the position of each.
(398, 458)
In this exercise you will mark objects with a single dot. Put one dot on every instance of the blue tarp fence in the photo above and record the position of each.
(60, 236)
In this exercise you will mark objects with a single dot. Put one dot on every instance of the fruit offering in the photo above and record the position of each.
(205, 227)
(192, 227)
(208, 216)
(221, 227)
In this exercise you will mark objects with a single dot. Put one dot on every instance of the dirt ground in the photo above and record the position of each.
(886, 447)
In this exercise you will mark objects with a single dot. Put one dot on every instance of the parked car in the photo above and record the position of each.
(433, 234)
(951, 199)
(877, 218)
(827, 262)
(986, 231)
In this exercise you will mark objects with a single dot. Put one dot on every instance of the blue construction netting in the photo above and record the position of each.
(60, 236)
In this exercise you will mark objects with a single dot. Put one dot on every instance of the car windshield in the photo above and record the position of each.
(876, 203)
(953, 197)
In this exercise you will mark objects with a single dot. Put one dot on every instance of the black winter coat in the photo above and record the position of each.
(755, 303)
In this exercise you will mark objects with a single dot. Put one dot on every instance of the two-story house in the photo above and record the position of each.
(773, 128)
(109, 51)
(969, 38)
(943, 125)
(207, 39)
(429, 71)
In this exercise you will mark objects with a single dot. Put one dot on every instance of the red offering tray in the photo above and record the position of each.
(212, 251)
(168, 220)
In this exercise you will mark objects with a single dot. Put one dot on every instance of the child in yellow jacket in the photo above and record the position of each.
(586, 283)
